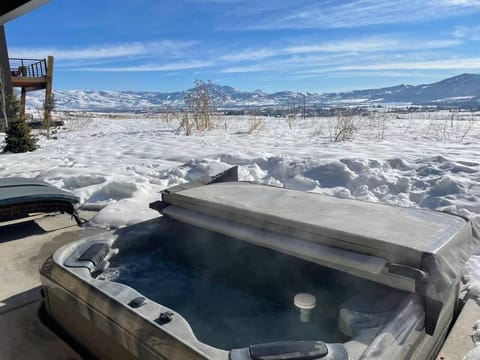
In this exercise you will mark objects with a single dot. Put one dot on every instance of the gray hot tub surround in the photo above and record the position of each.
(211, 239)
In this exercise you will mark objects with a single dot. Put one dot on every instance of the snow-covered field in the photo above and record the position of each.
(119, 163)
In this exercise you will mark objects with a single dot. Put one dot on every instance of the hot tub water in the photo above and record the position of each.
(234, 294)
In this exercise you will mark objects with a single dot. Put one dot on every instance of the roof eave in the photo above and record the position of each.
(21, 10)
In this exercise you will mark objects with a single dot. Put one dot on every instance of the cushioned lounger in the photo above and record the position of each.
(20, 197)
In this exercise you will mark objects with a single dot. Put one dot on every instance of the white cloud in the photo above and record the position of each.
(372, 45)
(349, 74)
(369, 44)
(356, 13)
(150, 67)
(245, 69)
(295, 57)
(472, 32)
(449, 64)
(463, 2)
(109, 51)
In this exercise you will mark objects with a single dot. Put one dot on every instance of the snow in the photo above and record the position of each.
(456, 98)
(118, 163)
(111, 158)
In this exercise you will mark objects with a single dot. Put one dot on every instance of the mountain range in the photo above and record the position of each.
(459, 91)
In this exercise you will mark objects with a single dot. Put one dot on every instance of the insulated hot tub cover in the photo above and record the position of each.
(415, 250)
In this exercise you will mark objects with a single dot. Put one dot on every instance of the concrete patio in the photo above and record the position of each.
(24, 245)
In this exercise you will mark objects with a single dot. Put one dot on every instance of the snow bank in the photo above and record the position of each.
(116, 162)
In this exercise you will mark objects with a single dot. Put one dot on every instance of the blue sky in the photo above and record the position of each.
(302, 45)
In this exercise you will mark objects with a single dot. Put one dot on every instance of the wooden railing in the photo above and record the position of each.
(28, 67)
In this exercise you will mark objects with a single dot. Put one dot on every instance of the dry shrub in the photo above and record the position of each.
(378, 125)
(75, 120)
(202, 105)
(450, 130)
(256, 124)
(343, 128)
(291, 120)
(185, 124)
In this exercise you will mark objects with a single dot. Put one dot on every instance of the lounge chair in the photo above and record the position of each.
(20, 197)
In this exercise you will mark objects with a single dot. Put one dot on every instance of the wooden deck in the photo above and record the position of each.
(29, 83)
(32, 75)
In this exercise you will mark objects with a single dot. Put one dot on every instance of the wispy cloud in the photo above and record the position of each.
(246, 69)
(108, 51)
(365, 74)
(301, 57)
(372, 44)
(472, 3)
(358, 45)
(448, 64)
(357, 13)
(469, 32)
(150, 67)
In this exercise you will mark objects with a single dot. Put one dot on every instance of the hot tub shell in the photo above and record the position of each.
(415, 251)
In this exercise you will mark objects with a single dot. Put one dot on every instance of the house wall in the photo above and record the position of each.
(7, 79)
(4, 60)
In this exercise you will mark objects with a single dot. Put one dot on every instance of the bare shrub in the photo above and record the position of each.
(168, 114)
(202, 103)
(74, 121)
(317, 128)
(256, 124)
(185, 124)
(291, 120)
(450, 128)
(378, 125)
(343, 128)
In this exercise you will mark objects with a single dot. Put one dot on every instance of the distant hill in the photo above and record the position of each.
(462, 91)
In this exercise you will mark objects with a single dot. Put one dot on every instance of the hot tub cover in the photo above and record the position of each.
(416, 250)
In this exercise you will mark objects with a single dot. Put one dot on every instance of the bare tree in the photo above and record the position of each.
(202, 103)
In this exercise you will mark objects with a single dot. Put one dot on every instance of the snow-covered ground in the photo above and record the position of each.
(119, 163)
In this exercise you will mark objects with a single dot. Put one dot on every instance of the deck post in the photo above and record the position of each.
(23, 98)
(48, 105)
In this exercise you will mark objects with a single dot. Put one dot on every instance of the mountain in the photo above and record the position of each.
(462, 91)
(460, 88)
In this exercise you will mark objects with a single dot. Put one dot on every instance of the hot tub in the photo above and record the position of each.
(245, 271)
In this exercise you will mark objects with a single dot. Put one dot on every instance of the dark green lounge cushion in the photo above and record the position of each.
(17, 191)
